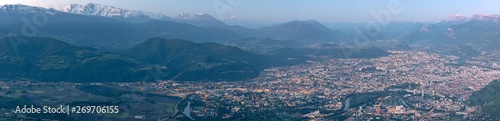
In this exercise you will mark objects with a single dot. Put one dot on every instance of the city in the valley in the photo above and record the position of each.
(249, 60)
(406, 85)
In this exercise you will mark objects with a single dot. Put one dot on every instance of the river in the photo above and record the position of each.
(346, 103)
(461, 99)
(404, 103)
(187, 111)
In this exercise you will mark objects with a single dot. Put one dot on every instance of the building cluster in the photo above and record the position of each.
(324, 86)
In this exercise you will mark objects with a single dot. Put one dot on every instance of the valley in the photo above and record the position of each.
(153, 66)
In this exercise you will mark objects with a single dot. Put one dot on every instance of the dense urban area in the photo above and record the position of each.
(406, 85)
(222, 61)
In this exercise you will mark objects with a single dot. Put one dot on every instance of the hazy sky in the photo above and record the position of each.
(286, 10)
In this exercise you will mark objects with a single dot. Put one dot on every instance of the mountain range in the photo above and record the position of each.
(191, 46)
(23, 9)
(101, 32)
(202, 19)
(203, 61)
(480, 31)
(263, 45)
(309, 31)
(47, 59)
(121, 42)
(95, 9)
(104, 26)
(133, 16)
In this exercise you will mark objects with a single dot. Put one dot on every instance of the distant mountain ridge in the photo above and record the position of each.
(309, 31)
(202, 19)
(51, 60)
(24, 9)
(316, 32)
(263, 45)
(202, 61)
(95, 9)
(481, 31)
(102, 32)
(47, 59)
(79, 22)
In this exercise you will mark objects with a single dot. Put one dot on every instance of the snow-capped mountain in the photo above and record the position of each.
(235, 18)
(485, 17)
(457, 17)
(480, 30)
(193, 17)
(202, 19)
(105, 33)
(477, 17)
(458, 20)
(23, 9)
(113, 12)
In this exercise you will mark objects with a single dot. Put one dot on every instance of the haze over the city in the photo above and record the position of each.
(286, 10)
(249, 60)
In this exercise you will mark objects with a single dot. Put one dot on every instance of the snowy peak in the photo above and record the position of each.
(477, 17)
(193, 17)
(201, 19)
(21, 9)
(94, 9)
(109, 11)
(458, 17)
(235, 18)
(157, 16)
(484, 17)
(99, 10)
